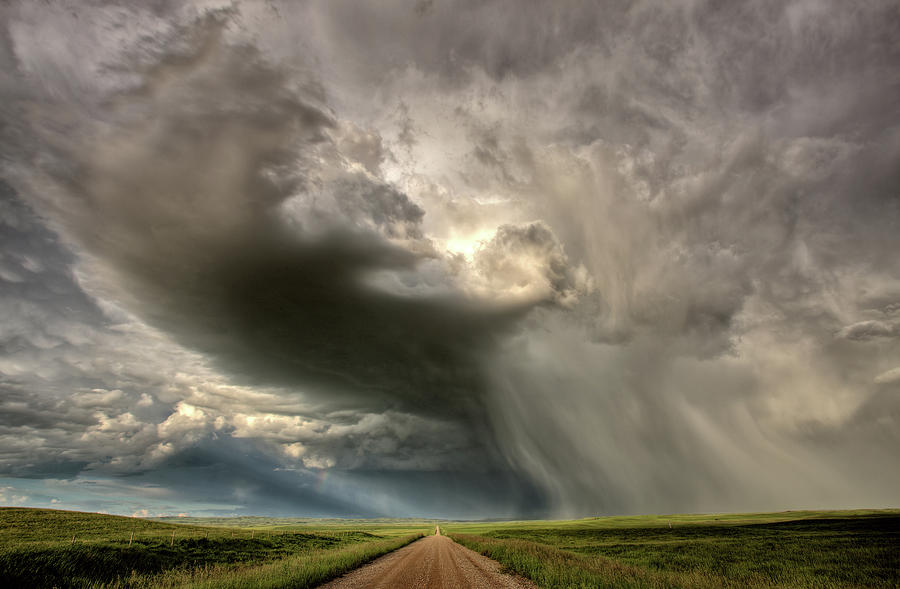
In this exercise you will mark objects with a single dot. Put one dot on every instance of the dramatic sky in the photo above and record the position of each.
(454, 259)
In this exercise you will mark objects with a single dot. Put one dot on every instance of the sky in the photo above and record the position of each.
(449, 259)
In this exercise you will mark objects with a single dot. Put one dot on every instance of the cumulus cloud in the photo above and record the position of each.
(527, 262)
(9, 496)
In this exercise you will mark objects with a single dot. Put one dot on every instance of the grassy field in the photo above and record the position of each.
(808, 549)
(276, 525)
(37, 550)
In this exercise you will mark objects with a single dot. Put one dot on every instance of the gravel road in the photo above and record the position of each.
(433, 562)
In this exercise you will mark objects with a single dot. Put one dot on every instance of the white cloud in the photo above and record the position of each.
(10, 496)
(888, 376)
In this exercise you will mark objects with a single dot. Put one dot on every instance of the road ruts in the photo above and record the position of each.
(434, 562)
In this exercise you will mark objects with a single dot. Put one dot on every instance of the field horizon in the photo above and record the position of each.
(794, 548)
(247, 519)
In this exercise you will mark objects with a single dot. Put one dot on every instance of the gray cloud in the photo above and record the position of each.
(237, 228)
(396, 242)
(517, 253)
(865, 330)
(232, 220)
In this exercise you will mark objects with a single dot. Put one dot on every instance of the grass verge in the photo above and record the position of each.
(553, 568)
(298, 571)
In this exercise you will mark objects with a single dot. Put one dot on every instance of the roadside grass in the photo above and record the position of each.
(298, 571)
(794, 549)
(36, 550)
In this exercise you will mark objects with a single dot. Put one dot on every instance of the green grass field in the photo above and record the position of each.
(807, 549)
(36, 550)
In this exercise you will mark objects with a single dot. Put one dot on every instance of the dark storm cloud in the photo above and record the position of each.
(237, 472)
(727, 175)
(233, 472)
(191, 210)
(640, 254)
(219, 202)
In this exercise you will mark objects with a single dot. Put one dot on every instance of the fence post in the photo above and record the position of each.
(172, 542)
(130, 540)
(73, 540)
(251, 535)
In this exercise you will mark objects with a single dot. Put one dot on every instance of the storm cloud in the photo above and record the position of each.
(600, 258)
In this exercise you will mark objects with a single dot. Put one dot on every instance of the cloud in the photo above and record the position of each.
(527, 262)
(393, 247)
(9, 496)
(364, 147)
(888, 376)
(233, 221)
(241, 231)
(866, 330)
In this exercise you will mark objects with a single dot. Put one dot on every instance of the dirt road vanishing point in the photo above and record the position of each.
(434, 562)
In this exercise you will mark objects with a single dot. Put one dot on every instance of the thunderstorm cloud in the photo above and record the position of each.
(463, 259)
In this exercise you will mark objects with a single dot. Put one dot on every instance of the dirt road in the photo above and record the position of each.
(433, 562)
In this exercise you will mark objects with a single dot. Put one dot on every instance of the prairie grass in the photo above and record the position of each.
(808, 549)
(297, 571)
(36, 550)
